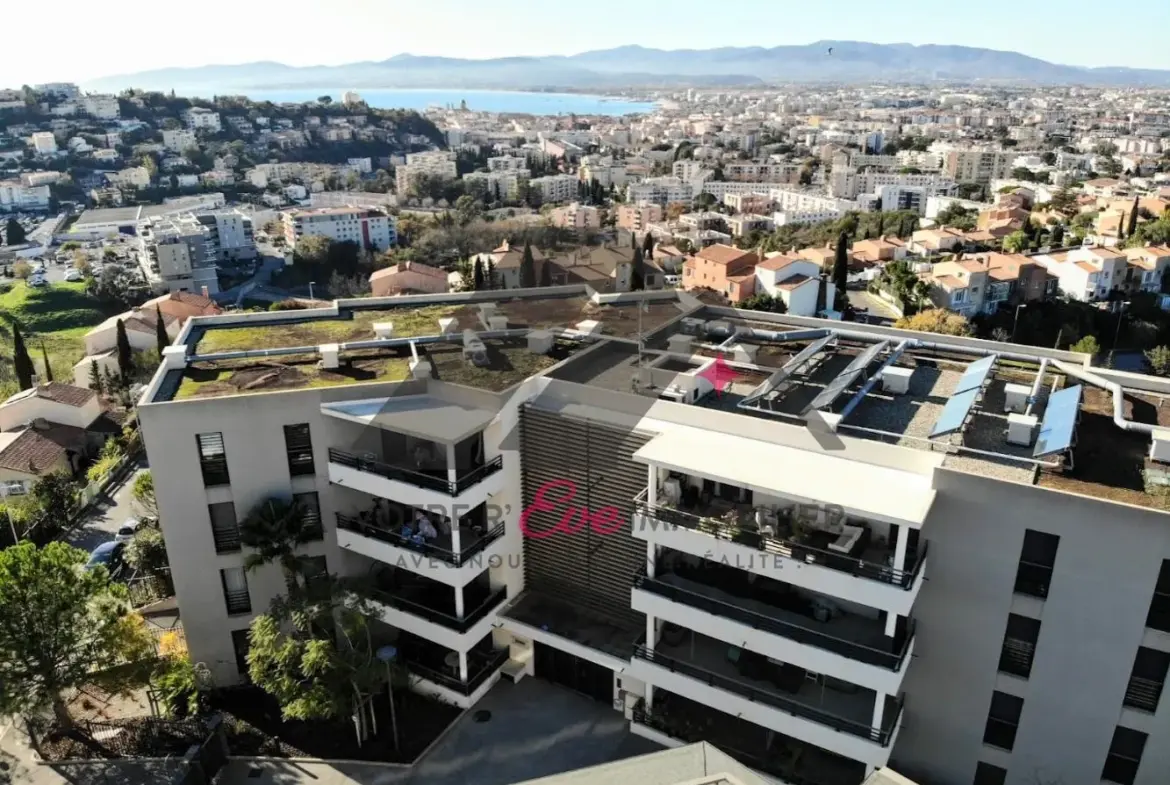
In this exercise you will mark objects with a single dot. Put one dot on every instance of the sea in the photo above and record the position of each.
(477, 101)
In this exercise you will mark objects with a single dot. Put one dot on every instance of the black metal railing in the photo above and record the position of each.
(414, 543)
(793, 631)
(760, 761)
(773, 699)
(238, 601)
(416, 478)
(484, 668)
(448, 620)
(1143, 694)
(787, 548)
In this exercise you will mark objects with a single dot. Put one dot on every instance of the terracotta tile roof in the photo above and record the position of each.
(67, 394)
(778, 262)
(722, 254)
(189, 299)
(41, 447)
(950, 282)
(796, 281)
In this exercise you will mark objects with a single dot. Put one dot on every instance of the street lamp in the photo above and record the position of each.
(387, 654)
(1117, 331)
(311, 290)
(1016, 320)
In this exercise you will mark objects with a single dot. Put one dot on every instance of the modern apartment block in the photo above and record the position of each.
(178, 254)
(439, 165)
(824, 548)
(367, 227)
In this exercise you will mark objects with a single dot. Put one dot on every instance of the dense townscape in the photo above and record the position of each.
(396, 419)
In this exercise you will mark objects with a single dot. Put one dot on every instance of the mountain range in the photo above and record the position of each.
(848, 62)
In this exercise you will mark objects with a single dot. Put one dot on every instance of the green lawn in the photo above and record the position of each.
(58, 315)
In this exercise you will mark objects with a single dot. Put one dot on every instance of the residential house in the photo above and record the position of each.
(794, 280)
(183, 305)
(1086, 274)
(408, 278)
(141, 331)
(960, 286)
(1147, 267)
(879, 251)
(722, 268)
(927, 242)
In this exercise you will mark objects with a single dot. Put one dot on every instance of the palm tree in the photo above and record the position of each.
(274, 530)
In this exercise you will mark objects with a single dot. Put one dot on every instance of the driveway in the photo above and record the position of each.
(107, 514)
(535, 729)
(879, 311)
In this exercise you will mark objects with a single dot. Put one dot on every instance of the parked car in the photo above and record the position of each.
(37, 281)
(126, 530)
(74, 275)
(108, 555)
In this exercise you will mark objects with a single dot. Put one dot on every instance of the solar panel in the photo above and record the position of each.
(954, 414)
(975, 375)
(789, 368)
(834, 388)
(1060, 421)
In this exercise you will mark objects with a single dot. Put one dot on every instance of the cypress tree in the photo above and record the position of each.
(489, 274)
(841, 266)
(160, 331)
(21, 361)
(546, 273)
(477, 276)
(1133, 216)
(527, 268)
(125, 356)
(637, 280)
(45, 359)
(95, 377)
(648, 246)
(1121, 227)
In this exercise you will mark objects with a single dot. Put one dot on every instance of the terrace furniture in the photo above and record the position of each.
(848, 539)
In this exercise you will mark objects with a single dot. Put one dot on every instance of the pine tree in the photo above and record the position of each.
(648, 246)
(45, 359)
(528, 268)
(841, 266)
(21, 361)
(112, 383)
(477, 276)
(160, 331)
(1133, 216)
(95, 378)
(125, 356)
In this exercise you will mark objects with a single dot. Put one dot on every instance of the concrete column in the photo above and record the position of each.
(891, 624)
(649, 696)
(652, 485)
(452, 469)
(879, 707)
(458, 602)
(456, 546)
(900, 547)
(651, 633)
(463, 666)
(651, 557)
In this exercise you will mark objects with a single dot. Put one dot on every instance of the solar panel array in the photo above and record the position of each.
(789, 368)
(845, 378)
(954, 414)
(975, 375)
(963, 399)
(1060, 422)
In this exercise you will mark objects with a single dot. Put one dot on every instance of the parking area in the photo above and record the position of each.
(532, 729)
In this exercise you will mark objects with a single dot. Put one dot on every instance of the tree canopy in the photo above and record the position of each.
(60, 627)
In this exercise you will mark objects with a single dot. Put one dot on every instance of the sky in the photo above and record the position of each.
(83, 43)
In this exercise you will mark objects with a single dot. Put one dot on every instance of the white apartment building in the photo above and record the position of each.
(199, 119)
(178, 254)
(436, 164)
(231, 233)
(605, 171)
(849, 183)
(179, 139)
(807, 207)
(361, 165)
(1086, 274)
(687, 169)
(64, 90)
(44, 142)
(977, 165)
(722, 188)
(554, 188)
(15, 195)
(498, 186)
(507, 163)
(660, 190)
(103, 107)
(367, 227)
(576, 216)
(757, 172)
(879, 602)
(135, 177)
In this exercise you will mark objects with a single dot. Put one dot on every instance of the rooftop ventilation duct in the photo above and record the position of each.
(474, 349)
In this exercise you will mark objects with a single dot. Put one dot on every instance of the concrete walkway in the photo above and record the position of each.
(536, 729)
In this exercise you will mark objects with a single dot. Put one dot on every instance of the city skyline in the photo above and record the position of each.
(456, 28)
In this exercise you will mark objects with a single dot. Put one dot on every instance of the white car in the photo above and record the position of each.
(37, 281)
(74, 275)
(126, 530)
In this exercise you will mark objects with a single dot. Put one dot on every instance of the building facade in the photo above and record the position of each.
(367, 227)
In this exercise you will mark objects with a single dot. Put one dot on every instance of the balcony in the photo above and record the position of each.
(792, 761)
(427, 609)
(420, 488)
(481, 666)
(814, 708)
(377, 539)
(784, 625)
(858, 570)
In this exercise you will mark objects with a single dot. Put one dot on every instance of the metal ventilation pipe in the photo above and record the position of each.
(1118, 398)
(1036, 386)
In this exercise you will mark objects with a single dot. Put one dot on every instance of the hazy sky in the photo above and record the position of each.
(84, 41)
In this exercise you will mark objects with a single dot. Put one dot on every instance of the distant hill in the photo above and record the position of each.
(850, 62)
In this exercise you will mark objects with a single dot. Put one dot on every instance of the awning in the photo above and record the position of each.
(862, 489)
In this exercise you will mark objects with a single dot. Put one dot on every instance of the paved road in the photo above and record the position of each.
(101, 523)
(879, 311)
